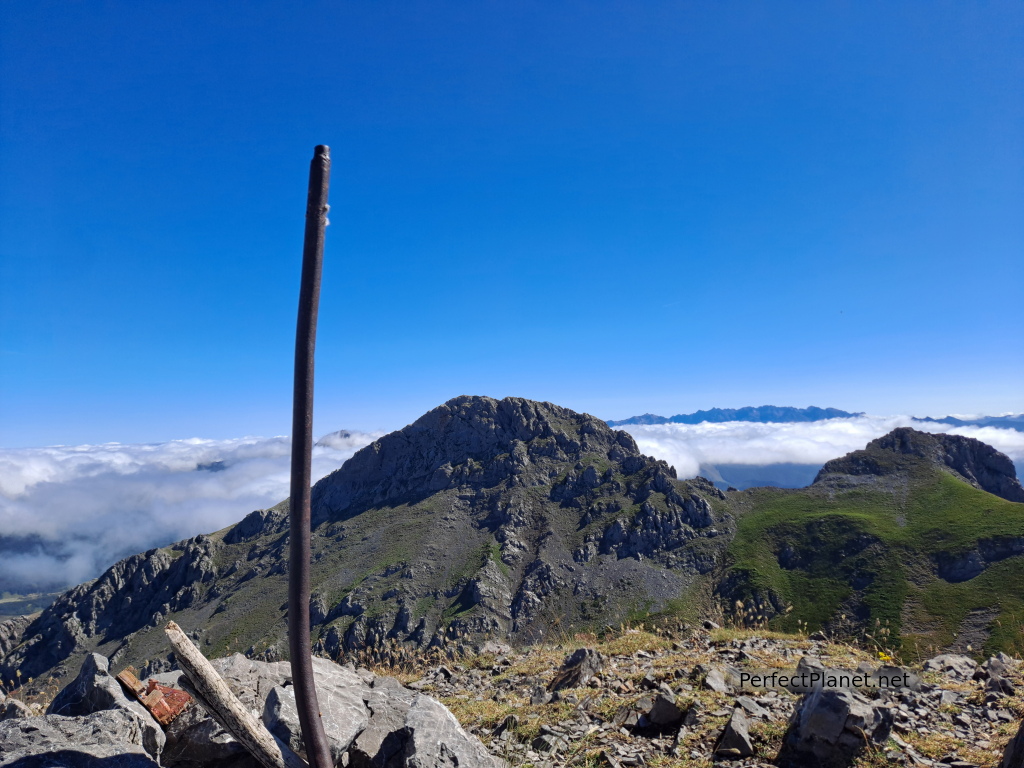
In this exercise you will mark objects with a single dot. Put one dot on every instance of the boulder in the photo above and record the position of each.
(577, 669)
(96, 690)
(112, 737)
(412, 730)
(664, 711)
(715, 681)
(830, 726)
(252, 680)
(734, 741)
(888, 676)
(952, 665)
(341, 695)
(752, 707)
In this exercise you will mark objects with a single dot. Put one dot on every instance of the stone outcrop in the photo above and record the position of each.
(96, 690)
(370, 721)
(978, 463)
(112, 736)
(830, 727)
(11, 632)
(735, 739)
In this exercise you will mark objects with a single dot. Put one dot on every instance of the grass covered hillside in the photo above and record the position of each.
(895, 543)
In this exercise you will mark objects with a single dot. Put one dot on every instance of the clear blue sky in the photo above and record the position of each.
(619, 207)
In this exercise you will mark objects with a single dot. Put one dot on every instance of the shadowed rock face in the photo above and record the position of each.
(474, 441)
(978, 463)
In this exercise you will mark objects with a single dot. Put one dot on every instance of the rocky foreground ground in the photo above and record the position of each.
(634, 698)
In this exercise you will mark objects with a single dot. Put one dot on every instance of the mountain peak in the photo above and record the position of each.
(976, 462)
(469, 439)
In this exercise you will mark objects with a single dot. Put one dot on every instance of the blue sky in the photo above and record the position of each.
(619, 207)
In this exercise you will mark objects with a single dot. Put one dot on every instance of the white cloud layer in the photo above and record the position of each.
(687, 446)
(78, 509)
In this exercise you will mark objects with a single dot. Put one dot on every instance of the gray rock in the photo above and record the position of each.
(664, 711)
(735, 739)
(577, 669)
(13, 708)
(952, 665)
(341, 695)
(752, 707)
(389, 703)
(830, 726)
(1013, 755)
(251, 681)
(11, 632)
(1000, 685)
(715, 681)
(196, 740)
(888, 677)
(411, 730)
(113, 736)
(96, 690)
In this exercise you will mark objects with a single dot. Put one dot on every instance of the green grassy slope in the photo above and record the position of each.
(863, 557)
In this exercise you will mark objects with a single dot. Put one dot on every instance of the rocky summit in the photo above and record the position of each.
(484, 518)
(524, 522)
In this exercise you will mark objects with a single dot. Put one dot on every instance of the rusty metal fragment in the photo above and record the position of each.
(163, 702)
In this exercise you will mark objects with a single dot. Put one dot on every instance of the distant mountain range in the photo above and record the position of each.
(1013, 421)
(781, 414)
(763, 413)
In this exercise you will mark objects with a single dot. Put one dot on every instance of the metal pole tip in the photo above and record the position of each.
(322, 149)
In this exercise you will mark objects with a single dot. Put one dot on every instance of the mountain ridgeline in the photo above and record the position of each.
(522, 520)
(763, 414)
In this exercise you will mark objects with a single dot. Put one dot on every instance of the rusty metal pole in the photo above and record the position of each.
(317, 749)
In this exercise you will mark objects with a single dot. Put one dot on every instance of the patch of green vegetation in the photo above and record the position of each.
(869, 550)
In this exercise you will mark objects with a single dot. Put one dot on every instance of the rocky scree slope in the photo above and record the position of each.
(483, 518)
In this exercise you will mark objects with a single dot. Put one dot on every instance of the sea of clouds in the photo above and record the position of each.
(69, 512)
(688, 446)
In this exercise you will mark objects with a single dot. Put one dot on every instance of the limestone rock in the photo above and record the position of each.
(13, 708)
(11, 632)
(411, 730)
(96, 690)
(109, 737)
(1013, 755)
(341, 695)
(196, 740)
(664, 711)
(715, 681)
